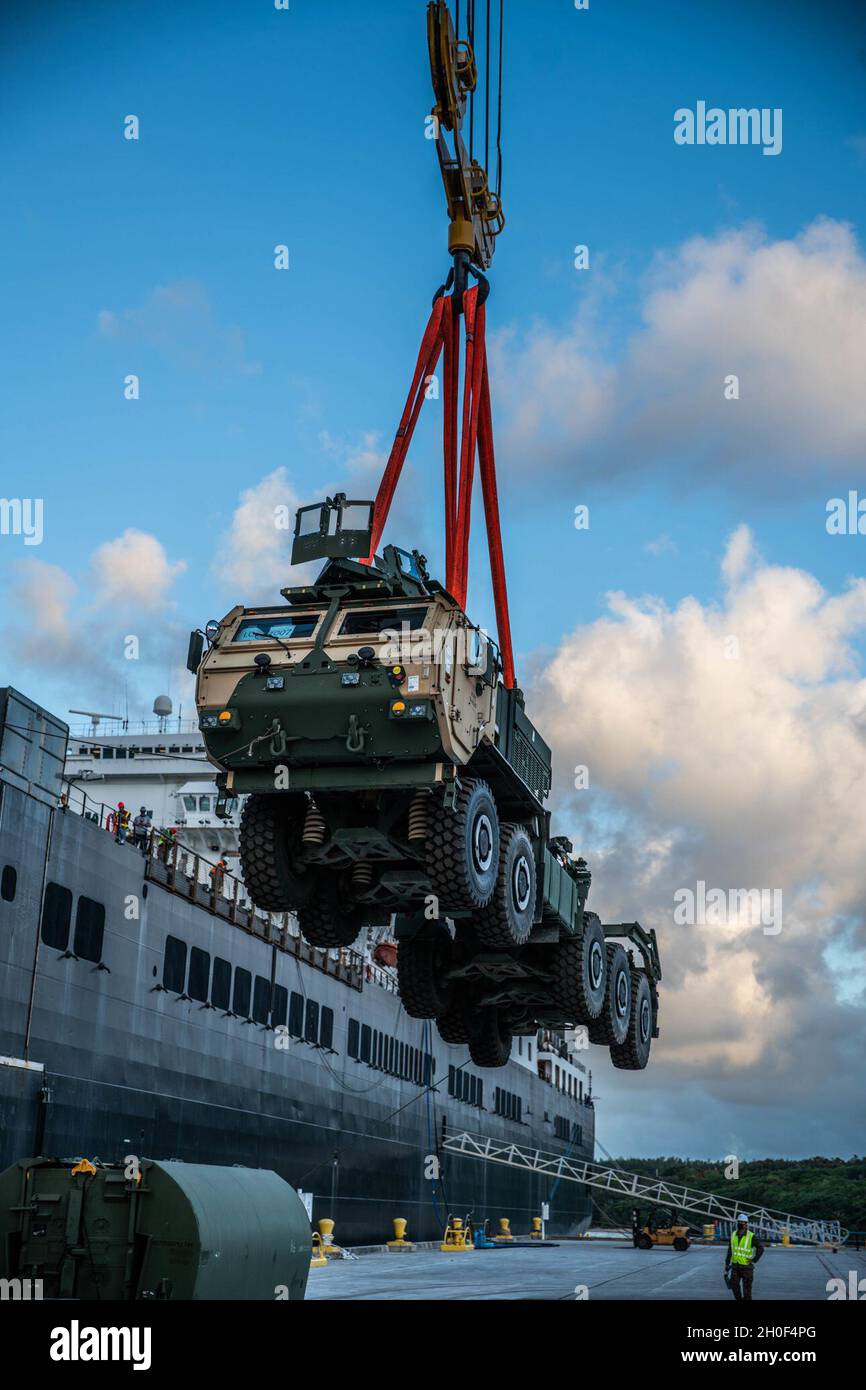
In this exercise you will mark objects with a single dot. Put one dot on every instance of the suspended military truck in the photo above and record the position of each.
(388, 770)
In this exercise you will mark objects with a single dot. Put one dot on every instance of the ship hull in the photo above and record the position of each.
(103, 1060)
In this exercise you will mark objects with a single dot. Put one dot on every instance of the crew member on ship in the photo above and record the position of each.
(122, 823)
(141, 829)
(217, 875)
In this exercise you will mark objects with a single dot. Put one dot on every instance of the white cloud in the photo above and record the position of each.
(255, 555)
(70, 639)
(744, 773)
(134, 570)
(178, 321)
(787, 317)
(661, 545)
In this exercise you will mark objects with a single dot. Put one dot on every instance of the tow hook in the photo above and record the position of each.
(356, 737)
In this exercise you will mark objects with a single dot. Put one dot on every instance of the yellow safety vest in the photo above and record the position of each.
(741, 1250)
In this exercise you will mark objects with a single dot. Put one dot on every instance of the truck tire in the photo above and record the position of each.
(507, 919)
(633, 1054)
(422, 963)
(489, 1037)
(463, 849)
(451, 1025)
(327, 920)
(579, 977)
(611, 1027)
(271, 826)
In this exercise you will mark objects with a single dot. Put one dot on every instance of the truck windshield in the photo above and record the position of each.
(383, 620)
(284, 627)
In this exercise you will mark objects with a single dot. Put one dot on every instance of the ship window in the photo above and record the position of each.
(354, 1039)
(189, 803)
(365, 1042)
(451, 1075)
(261, 999)
(120, 752)
(242, 991)
(89, 929)
(383, 620)
(296, 1015)
(311, 1028)
(187, 748)
(56, 916)
(280, 1006)
(221, 984)
(199, 974)
(8, 883)
(174, 966)
(174, 748)
(204, 803)
(107, 752)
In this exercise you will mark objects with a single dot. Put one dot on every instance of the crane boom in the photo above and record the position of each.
(474, 210)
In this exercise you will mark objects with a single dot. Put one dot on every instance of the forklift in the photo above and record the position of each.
(660, 1228)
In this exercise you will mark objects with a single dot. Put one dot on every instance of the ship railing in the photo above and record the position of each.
(374, 974)
(209, 885)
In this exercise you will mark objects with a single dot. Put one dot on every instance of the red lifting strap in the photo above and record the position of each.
(476, 435)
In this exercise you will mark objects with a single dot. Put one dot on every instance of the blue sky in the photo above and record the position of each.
(306, 127)
(261, 126)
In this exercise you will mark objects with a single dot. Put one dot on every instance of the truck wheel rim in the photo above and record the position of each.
(596, 965)
(622, 999)
(482, 843)
(644, 1020)
(522, 884)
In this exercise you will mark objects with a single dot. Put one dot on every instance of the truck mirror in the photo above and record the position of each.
(194, 652)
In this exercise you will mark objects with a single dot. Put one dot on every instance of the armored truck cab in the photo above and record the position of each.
(387, 770)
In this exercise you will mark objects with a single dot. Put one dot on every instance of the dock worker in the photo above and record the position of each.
(121, 823)
(744, 1251)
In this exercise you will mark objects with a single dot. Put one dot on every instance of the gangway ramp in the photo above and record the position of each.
(686, 1200)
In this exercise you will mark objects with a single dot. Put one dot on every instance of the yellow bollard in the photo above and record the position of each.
(536, 1233)
(504, 1229)
(317, 1258)
(456, 1236)
(329, 1245)
(786, 1238)
(399, 1242)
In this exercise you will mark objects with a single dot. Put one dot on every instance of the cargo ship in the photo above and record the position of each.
(146, 1008)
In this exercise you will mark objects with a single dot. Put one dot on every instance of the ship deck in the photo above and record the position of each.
(580, 1269)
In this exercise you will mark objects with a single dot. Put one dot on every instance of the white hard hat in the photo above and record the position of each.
(742, 1217)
